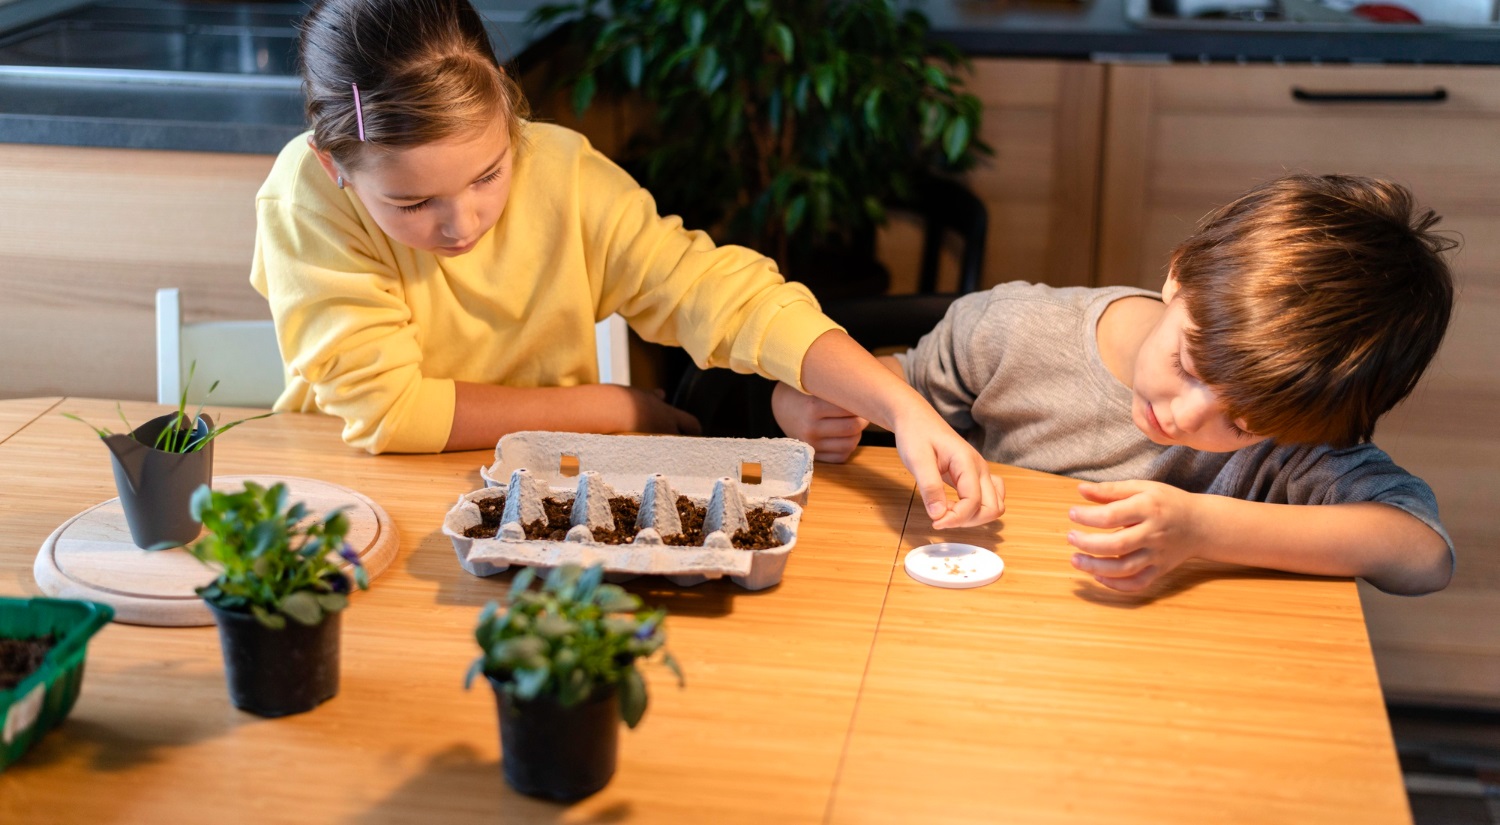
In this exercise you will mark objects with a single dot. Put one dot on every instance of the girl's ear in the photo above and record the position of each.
(326, 161)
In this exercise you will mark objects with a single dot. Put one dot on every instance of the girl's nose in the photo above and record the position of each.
(462, 222)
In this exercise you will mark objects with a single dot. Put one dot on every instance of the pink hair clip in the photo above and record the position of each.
(359, 112)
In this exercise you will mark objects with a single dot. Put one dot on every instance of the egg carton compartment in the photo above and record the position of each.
(587, 499)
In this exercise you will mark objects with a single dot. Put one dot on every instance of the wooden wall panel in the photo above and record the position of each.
(1043, 118)
(87, 236)
(1181, 140)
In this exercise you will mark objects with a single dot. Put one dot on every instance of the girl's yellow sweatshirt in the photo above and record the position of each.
(376, 332)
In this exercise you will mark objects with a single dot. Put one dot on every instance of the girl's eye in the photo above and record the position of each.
(414, 207)
(490, 177)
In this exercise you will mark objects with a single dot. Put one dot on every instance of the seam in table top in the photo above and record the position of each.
(864, 675)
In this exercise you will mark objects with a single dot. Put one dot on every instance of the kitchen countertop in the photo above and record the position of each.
(258, 113)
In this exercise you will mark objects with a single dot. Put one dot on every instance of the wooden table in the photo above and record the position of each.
(848, 694)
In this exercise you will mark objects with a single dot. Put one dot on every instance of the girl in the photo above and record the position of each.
(435, 264)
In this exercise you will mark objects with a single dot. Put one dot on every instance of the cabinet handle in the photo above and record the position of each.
(1437, 95)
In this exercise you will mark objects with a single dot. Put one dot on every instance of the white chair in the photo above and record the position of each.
(241, 355)
(244, 358)
(612, 345)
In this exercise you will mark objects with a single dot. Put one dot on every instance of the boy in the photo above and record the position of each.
(1208, 416)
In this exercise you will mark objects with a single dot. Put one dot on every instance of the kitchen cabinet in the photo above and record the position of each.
(87, 235)
(1182, 139)
(1043, 119)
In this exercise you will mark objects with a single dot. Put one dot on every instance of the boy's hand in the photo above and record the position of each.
(934, 453)
(1157, 532)
(650, 413)
(832, 431)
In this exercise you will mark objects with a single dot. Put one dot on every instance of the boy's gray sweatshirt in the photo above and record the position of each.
(1017, 370)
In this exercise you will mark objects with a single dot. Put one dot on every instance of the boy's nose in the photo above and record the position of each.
(1193, 409)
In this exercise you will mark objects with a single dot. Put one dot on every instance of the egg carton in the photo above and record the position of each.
(728, 477)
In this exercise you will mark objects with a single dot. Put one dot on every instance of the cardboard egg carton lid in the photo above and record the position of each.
(765, 467)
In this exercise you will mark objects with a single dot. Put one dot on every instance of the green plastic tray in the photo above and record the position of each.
(41, 701)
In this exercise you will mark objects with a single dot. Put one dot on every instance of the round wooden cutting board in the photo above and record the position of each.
(92, 557)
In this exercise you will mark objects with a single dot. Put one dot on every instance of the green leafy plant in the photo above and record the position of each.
(273, 561)
(181, 433)
(569, 638)
(796, 121)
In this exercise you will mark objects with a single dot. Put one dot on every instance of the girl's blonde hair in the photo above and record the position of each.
(425, 70)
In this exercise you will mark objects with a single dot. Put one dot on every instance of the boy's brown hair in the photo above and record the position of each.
(425, 70)
(1318, 302)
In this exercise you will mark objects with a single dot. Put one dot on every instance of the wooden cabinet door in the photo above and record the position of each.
(1043, 119)
(88, 235)
(1180, 140)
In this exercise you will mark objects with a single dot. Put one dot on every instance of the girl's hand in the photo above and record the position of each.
(934, 454)
(832, 431)
(1157, 531)
(650, 413)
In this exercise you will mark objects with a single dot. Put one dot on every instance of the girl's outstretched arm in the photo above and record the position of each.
(840, 371)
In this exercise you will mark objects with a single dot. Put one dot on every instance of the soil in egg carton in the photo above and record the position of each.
(759, 535)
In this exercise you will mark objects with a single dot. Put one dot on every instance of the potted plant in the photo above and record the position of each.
(275, 564)
(157, 467)
(814, 118)
(562, 662)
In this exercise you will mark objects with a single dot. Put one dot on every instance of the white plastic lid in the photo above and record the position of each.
(953, 565)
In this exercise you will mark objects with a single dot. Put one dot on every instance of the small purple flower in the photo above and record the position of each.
(347, 554)
(647, 628)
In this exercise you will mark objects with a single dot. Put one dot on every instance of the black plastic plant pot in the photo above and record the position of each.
(555, 752)
(156, 487)
(278, 672)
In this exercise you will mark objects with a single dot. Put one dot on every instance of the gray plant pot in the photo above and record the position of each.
(156, 487)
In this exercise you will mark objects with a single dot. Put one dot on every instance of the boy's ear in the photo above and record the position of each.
(325, 160)
(1169, 289)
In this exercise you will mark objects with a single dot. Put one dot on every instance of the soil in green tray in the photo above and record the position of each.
(490, 510)
(20, 658)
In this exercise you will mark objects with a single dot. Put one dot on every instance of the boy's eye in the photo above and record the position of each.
(414, 207)
(1177, 363)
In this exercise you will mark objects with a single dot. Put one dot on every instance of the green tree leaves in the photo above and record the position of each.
(779, 123)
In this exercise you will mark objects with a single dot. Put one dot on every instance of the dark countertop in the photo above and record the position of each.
(1123, 31)
(188, 100)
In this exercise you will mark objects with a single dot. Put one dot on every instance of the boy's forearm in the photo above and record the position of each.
(1381, 544)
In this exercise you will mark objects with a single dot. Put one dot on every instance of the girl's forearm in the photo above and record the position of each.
(841, 372)
(482, 413)
(1381, 544)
